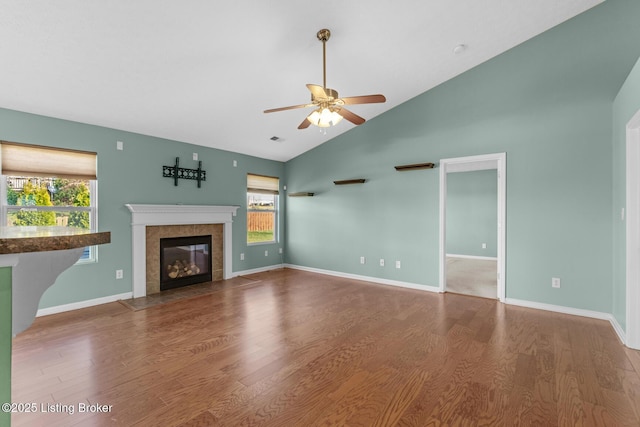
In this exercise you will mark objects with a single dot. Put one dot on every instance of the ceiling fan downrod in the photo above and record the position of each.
(324, 35)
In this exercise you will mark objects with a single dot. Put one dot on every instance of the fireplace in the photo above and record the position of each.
(149, 223)
(185, 261)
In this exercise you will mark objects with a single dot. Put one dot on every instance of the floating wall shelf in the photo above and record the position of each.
(350, 181)
(301, 194)
(414, 167)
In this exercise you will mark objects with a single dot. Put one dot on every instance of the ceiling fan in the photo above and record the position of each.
(329, 106)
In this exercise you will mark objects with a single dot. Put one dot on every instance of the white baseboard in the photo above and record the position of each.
(488, 258)
(257, 270)
(83, 304)
(366, 278)
(573, 311)
(622, 336)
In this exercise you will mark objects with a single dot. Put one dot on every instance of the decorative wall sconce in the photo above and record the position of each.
(176, 173)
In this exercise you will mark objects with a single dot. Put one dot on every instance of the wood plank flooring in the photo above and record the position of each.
(301, 349)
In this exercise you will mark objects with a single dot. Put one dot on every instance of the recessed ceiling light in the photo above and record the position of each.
(459, 49)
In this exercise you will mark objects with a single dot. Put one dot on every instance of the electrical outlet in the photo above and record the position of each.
(397, 264)
(235, 163)
(119, 274)
(279, 250)
(242, 256)
(381, 262)
(555, 282)
(362, 260)
(266, 253)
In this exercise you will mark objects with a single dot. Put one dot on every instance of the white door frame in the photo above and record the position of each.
(496, 161)
(633, 233)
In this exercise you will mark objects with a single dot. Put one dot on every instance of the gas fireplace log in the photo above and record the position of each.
(182, 268)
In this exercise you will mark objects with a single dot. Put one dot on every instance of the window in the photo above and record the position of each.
(262, 208)
(42, 186)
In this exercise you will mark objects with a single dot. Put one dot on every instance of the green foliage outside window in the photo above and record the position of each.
(62, 192)
(12, 196)
(71, 193)
(34, 196)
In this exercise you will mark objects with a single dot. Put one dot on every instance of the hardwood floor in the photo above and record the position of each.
(293, 348)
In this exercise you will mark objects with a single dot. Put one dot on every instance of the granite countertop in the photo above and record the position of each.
(15, 240)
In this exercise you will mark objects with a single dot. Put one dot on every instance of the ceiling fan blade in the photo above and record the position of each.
(352, 117)
(292, 107)
(365, 99)
(305, 124)
(317, 91)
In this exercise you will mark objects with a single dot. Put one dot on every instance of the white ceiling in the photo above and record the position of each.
(202, 71)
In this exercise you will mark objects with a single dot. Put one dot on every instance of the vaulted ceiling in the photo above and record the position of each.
(202, 72)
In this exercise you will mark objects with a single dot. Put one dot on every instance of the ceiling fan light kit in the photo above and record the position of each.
(324, 117)
(329, 107)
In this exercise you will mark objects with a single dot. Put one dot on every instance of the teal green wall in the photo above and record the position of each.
(472, 213)
(625, 106)
(5, 342)
(547, 103)
(134, 175)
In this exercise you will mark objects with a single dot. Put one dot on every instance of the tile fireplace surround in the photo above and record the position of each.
(144, 216)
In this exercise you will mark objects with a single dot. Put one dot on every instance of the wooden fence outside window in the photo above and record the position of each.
(260, 221)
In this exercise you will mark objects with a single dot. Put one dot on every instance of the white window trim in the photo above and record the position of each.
(276, 211)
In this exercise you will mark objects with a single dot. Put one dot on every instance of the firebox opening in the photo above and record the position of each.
(184, 261)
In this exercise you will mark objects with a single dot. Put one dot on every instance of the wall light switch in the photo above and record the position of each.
(119, 145)
(397, 264)
(235, 163)
(280, 250)
(242, 257)
(381, 262)
(484, 246)
(555, 282)
(362, 260)
(195, 156)
(266, 253)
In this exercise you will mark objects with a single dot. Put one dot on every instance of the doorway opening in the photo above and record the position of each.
(487, 267)
(633, 233)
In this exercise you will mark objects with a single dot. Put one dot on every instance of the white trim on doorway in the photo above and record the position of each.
(496, 161)
(633, 233)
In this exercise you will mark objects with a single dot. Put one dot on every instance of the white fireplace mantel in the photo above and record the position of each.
(145, 215)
